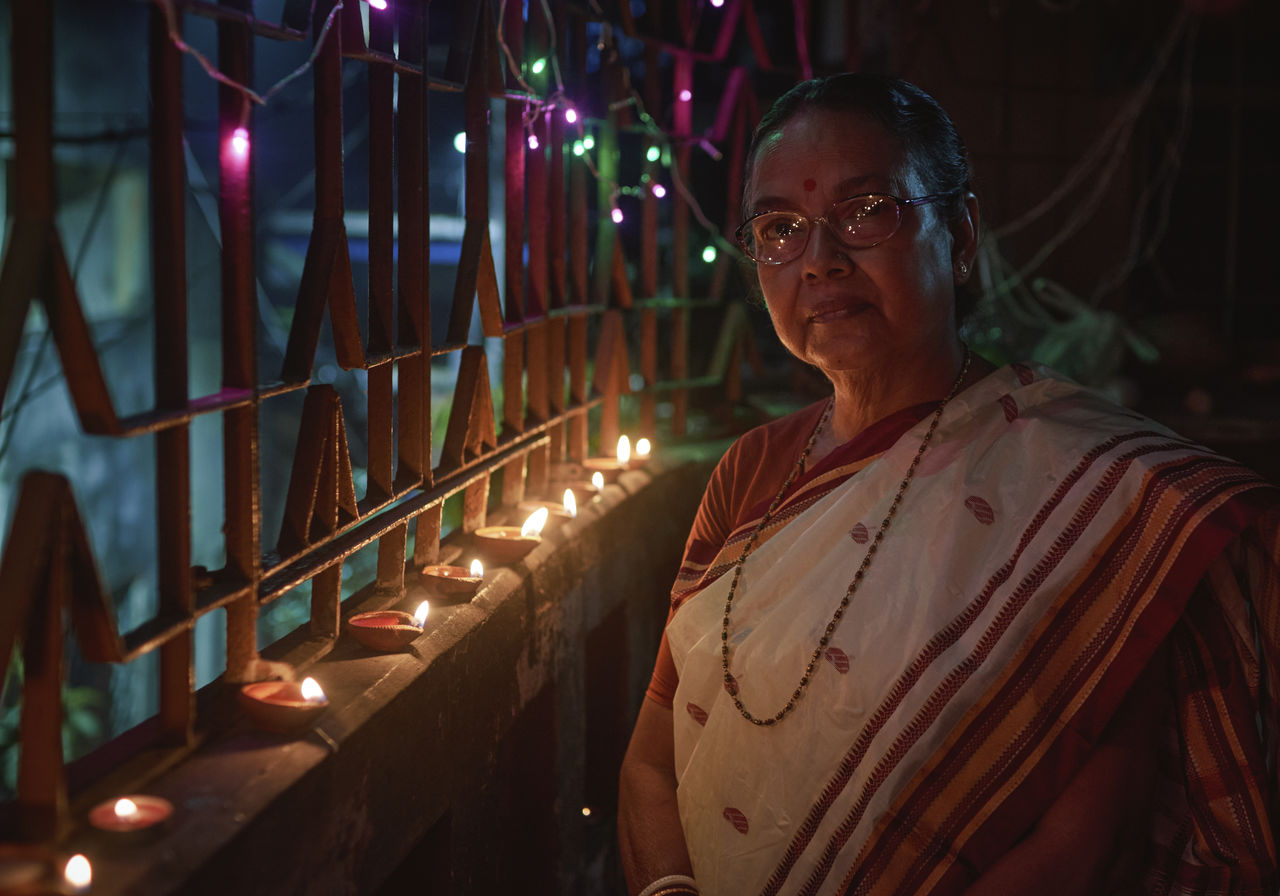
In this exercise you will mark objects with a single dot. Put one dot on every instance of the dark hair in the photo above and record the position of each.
(929, 138)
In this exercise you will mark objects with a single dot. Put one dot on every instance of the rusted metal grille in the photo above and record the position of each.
(559, 312)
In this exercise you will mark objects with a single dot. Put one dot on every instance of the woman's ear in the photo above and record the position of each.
(965, 233)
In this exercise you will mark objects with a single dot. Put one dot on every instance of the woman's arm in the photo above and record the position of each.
(649, 832)
(1079, 843)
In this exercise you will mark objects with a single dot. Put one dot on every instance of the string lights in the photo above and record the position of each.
(239, 143)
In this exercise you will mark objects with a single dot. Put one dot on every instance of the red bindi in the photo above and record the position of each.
(810, 184)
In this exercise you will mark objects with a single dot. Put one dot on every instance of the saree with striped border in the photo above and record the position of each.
(1048, 545)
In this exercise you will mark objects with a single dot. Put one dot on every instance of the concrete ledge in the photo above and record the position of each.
(462, 765)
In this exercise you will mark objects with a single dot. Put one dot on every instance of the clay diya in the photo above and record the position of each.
(610, 467)
(641, 455)
(453, 580)
(506, 544)
(33, 870)
(582, 491)
(557, 514)
(131, 816)
(388, 630)
(283, 707)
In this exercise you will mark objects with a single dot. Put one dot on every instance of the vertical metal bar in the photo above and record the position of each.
(239, 355)
(513, 214)
(381, 264)
(649, 371)
(42, 787)
(649, 245)
(391, 558)
(173, 461)
(680, 247)
(513, 175)
(326, 601)
(512, 383)
(475, 504)
(426, 538)
(578, 386)
(577, 208)
(513, 481)
(536, 364)
(556, 329)
(557, 227)
(414, 320)
(32, 48)
(535, 299)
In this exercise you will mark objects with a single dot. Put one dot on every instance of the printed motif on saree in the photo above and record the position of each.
(1047, 545)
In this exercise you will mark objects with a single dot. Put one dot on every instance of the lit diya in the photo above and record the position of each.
(567, 509)
(132, 815)
(283, 707)
(583, 491)
(610, 467)
(78, 873)
(641, 455)
(507, 544)
(388, 630)
(454, 580)
(33, 870)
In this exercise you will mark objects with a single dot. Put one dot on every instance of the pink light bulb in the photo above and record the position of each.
(533, 141)
(686, 95)
(616, 214)
(571, 115)
(659, 190)
(382, 4)
(717, 3)
(240, 142)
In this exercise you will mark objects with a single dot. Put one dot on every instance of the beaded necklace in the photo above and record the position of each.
(729, 681)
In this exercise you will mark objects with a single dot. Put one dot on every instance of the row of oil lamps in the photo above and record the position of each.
(290, 707)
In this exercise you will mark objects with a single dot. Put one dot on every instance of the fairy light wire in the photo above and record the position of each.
(175, 37)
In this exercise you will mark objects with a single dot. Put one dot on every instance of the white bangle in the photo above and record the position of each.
(669, 880)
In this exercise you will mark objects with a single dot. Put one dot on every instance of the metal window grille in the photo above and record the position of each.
(543, 324)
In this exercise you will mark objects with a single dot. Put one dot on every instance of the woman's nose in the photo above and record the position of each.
(825, 256)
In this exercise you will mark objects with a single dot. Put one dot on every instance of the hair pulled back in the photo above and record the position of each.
(929, 139)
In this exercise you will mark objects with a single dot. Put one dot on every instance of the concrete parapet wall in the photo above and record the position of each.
(462, 765)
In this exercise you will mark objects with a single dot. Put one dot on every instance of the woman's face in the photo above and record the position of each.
(857, 310)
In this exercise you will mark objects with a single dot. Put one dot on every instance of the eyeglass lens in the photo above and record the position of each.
(859, 222)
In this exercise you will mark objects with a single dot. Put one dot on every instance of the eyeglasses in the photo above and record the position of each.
(858, 222)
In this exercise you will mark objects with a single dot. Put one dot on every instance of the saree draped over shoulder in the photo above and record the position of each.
(1048, 544)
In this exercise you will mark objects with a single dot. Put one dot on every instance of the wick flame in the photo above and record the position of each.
(477, 569)
(312, 691)
(420, 614)
(532, 527)
(126, 810)
(570, 503)
(597, 479)
(78, 873)
(624, 450)
(643, 448)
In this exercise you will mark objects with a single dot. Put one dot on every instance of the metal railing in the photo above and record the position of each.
(550, 212)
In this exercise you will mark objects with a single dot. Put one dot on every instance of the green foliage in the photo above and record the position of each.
(82, 726)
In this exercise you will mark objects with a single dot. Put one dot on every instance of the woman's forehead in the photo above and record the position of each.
(822, 150)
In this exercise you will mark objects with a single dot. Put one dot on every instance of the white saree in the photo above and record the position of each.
(1026, 483)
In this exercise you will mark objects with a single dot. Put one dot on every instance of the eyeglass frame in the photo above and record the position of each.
(898, 201)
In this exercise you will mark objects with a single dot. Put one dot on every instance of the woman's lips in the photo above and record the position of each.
(825, 312)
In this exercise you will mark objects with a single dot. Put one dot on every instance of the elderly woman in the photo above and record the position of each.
(955, 629)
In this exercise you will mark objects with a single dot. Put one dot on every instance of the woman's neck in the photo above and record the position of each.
(863, 398)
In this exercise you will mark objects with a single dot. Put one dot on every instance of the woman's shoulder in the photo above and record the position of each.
(795, 427)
